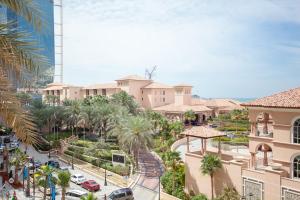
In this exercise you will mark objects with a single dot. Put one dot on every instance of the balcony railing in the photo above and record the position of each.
(261, 134)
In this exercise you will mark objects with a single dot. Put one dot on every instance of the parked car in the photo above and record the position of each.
(90, 185)
(53, 163)
(77, 179)
(121, 194)
(75, 194)
(65, 168)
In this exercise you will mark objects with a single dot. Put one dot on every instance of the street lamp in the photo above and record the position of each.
(73, 160)
(50, 145)
(105, 181)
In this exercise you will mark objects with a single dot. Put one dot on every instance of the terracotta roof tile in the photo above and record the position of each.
(286, 99)
(182, 108)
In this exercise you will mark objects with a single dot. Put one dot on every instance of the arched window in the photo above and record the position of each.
(296, 132)
(296, 167)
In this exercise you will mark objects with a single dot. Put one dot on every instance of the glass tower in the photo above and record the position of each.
(43, 38)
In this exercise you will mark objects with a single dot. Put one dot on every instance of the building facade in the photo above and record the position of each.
(270, 168)
(172, 101)
(44, 40)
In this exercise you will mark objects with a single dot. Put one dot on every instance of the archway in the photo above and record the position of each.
(264, 156)
(264, 125)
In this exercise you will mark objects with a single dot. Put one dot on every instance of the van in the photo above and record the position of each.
(121, 194)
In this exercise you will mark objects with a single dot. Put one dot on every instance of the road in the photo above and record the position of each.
(146, 187)
(44, 158)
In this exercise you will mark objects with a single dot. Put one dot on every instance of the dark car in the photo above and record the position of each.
(121, 194)
(53, 163)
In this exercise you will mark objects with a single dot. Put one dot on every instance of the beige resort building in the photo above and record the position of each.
(172, 101)
(270, 168)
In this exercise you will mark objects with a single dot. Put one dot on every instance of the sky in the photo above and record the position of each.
(235, 48)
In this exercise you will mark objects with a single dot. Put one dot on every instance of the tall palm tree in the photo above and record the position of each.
(172, 159)
(72, 113)
(189, 116)
(18, 160)
(64, 178)
(135, 134)
(90, 196)
(209, 165)
(43, 176)
(18, 54)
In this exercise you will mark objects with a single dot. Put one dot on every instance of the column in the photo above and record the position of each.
(265, 161)
(188, 144)
(204, 150)
(253, 157)
(266, 120)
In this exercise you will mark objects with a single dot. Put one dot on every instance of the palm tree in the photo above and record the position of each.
(134, 135)
(190, 116)
(43, 176)
(18, 160)
(172, 159)
(64, 182)
(72, 113)
(124, 99)
(90, 196)
(18, 54)
(209, 165)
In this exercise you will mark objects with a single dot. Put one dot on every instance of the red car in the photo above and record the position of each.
(90, 185)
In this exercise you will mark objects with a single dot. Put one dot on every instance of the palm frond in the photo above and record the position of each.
(18, 53)
(14, 116)
(28, 9)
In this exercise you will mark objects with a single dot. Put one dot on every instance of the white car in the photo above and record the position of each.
(77, 178)
(75, 194)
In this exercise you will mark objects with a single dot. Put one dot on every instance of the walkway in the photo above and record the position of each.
(147, 184)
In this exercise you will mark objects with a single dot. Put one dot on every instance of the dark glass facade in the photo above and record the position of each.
(44, 38)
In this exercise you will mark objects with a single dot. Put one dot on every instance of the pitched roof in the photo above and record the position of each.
(183, 85)
(157, 85)
(182, 108)
(202, 132)
(132, 77)
(286, 99)
(221, 103)
(102, 86)
(57, 86)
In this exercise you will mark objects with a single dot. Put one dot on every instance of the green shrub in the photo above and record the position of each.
(199, 197)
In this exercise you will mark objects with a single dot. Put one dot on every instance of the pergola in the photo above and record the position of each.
(203, 133)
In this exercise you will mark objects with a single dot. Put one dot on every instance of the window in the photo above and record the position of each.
(142, 91)
(296, 132)
(164, 100)
(296, 167)
(95, 92)
(104, 92)
(87, 92)
(142, 99)
(164, 92)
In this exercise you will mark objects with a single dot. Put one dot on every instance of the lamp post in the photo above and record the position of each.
(33, 183)
(73, 160)
(105, 181)
(49, 153)
(159, 175)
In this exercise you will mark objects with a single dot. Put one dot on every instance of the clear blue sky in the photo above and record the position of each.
(235, 48)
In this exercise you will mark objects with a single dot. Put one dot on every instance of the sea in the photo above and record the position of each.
(243, 100)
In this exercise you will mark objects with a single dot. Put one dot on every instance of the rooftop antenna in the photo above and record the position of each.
(150, 73)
